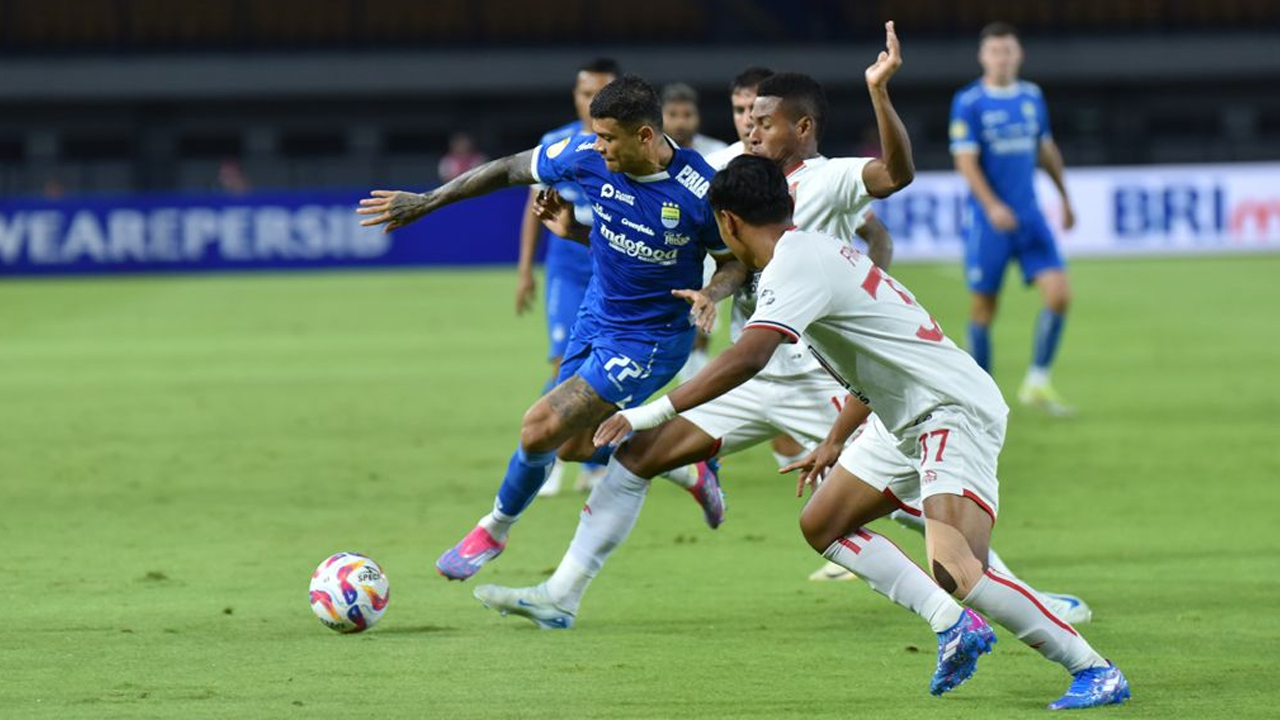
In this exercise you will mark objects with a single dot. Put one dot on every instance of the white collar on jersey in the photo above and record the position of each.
(791, 170)
(661, 174)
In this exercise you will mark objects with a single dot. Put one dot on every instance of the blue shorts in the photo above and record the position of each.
(623, 372)
(988, 251)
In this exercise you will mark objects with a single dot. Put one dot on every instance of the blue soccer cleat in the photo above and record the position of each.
(467, 557)
(532, 602)
(958, 651)
(1094, 687)
(708, 493)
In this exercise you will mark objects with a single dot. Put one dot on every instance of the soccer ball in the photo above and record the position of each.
(349, 592)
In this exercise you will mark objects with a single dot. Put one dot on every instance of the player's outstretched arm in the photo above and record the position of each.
(730, 275)
(728, 370)
(395, 208)
(813, 467)
(895, 168)
(879, 241)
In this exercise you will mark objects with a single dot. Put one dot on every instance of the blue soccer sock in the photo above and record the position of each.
(526, 473)
(1047, 334)
(980, 344)
(600, 457)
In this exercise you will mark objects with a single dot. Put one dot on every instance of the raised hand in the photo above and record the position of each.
(889, 61)
(393, 209)
(703, 310)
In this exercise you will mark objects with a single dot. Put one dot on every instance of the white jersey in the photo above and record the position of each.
(869, 332)
(830, 198)
(706, 145)
(718, 159)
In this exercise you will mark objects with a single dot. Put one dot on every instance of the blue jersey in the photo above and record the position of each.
(649, 237)
(566, 257)
(1005, 127)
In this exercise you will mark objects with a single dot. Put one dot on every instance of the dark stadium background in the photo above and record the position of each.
(109, 96)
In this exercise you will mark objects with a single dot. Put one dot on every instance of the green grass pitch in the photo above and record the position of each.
(178, 453)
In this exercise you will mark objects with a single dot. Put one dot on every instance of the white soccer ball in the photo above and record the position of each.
(349, 592)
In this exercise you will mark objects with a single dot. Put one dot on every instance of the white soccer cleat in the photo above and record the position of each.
(1044, 397)
(529, 602)
(832, 571)
(1069, 608)
(554, 480)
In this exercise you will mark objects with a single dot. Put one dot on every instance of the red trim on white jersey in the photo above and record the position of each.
(985, 507)
(792, 335)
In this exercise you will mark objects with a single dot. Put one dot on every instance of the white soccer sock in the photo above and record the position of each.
(994, 562)
(1012, 604)
(1037, 376)
(686, 477)
(606, 520)
(875, 559)
(497, 523)
(785, 460)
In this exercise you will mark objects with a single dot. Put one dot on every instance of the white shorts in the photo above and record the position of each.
(950, 452)
(803, 406)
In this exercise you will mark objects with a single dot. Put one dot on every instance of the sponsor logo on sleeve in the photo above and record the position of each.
(557, 148)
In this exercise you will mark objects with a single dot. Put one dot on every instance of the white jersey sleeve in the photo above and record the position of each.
(791, 295)
(841, 185)
(720, 158)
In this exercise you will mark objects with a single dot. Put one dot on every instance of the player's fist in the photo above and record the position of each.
(556, 214)
(1001, 217)
(703, 309)
(1068, 217)
(393, 208)
(889, 61)
(526, 290)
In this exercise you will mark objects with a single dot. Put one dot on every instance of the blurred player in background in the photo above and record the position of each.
(567, 264)
(652, 227)
(682, 120)
(999, 134)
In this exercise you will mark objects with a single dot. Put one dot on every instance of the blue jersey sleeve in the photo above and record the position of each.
(558, 162)
(710, 238)
(964, 124)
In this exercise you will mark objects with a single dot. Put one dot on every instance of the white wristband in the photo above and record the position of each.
(651, 415)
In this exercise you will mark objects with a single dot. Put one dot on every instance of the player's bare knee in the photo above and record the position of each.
(817, 528)
(539, 430)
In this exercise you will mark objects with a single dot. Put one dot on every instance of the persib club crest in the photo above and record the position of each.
(670, 215)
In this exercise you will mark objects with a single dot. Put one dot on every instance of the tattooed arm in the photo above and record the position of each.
(394, 209)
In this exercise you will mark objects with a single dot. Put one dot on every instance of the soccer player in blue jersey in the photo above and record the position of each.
(999, 134)
(568, 264)
(653, 226)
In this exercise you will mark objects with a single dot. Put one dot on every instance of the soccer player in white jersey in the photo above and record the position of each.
(742, 98)
(933, 404)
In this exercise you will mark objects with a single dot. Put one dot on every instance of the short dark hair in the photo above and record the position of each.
(602, 65)
(630, 100)
(679, 92)
(749, 78)
(801, 95)
(754, 189)
(998, 29)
